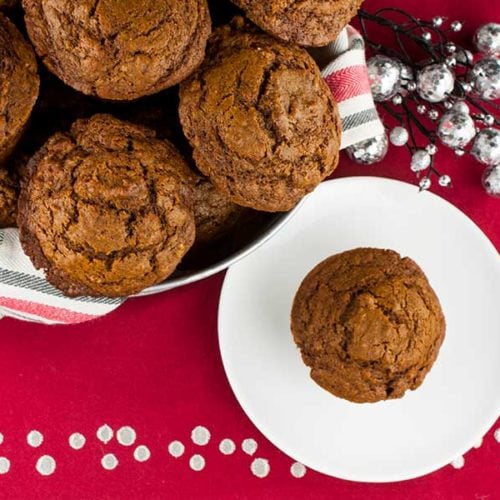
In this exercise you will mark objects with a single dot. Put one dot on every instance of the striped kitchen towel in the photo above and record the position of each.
(24, 292)
(347, 77)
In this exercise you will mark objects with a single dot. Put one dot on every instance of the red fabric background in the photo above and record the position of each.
(154, 364)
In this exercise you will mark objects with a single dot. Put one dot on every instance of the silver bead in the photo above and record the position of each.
(459, 152)
(399, 136)
(491, 181)
(384, 74)
(437, 21)
(445, 181)
(431, 149)
(456, 129)
(487, 39)
(433, 114)
(485, 75)
(435, 82)
(450, 48)
(486, 147)
(447, 104)
(397, 99)
(427, 36)
(425, 184)
(451, 61)
(420, 160)
(467, 87)
(411, 86)
(461, 107)
(456, 26)
(369, 151)
(421, 109)
(489, 120)
(464, 56)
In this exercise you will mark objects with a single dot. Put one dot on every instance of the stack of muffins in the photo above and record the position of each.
(95, 170)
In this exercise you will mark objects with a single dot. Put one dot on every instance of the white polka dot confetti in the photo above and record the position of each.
(176, 449)
(126, 436)
(142, 453)
(197, 463)
(109, 461)
(46, 465)
(34, 438)
(200, 435)
(260, 467)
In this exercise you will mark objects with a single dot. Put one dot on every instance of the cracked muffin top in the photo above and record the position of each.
(306, 22)
(262, 122)
(107, 209)
(19, 85)
(119, 49)
(368, 324)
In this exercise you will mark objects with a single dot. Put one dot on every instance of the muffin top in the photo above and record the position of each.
(19, 84)
(368, 324)
(262, 122)
(107, 209)
(308, 22)
(8, 199)
(119, 49)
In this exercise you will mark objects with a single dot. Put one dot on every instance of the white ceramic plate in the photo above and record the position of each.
(387, 441)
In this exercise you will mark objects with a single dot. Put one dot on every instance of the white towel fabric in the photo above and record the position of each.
(24, 292)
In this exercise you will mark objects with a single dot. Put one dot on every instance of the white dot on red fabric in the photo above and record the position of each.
(260, 467)
(1, 438)
(478, 443)
(176, 449)
(200, 435)
(298, 470)
(34, 438)
(105, 434)
(227, 447)
(126, 436)
(4, 465)
(142, 453)
(46, 465)
(109, 461)
(249, 446)
(197, 463)
(497, 435)
(77, 441)
(458, 463)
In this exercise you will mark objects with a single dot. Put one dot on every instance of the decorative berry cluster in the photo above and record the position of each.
(433, 91)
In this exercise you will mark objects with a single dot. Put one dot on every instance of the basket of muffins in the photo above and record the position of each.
(146, 144)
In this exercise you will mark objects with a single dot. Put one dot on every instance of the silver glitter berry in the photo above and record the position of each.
(489, 120)
(433, 114)
(431, 149)
(456, 129)
(487, 39)
(406, 72)
(437, 21)
(397, 100)
(491, 181)
(420, 160)
(456, 26)
(369, 151)
(411, 86)
(451, 61)
(467, 87)
(461, 107)
(425, 184)
(448, 104)
(435, 82)
(464, 56)
(485, 75)
(486, 147)
(421, 109)
(384, 74)
(427, 36)
(399, 136)
(445, 181)
(450, 47)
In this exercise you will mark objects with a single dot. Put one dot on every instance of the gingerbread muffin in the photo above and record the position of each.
(119, 49)
(8, 199)
(312, 23)
(19, 85)
(107, 209)
(215, 215)
(262, 122)
(368, 324)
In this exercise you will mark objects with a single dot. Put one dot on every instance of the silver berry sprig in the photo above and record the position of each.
(433, 92)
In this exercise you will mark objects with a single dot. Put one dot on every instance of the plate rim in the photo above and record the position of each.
(262, 426)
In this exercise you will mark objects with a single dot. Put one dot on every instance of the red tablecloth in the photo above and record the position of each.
(154, 365)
